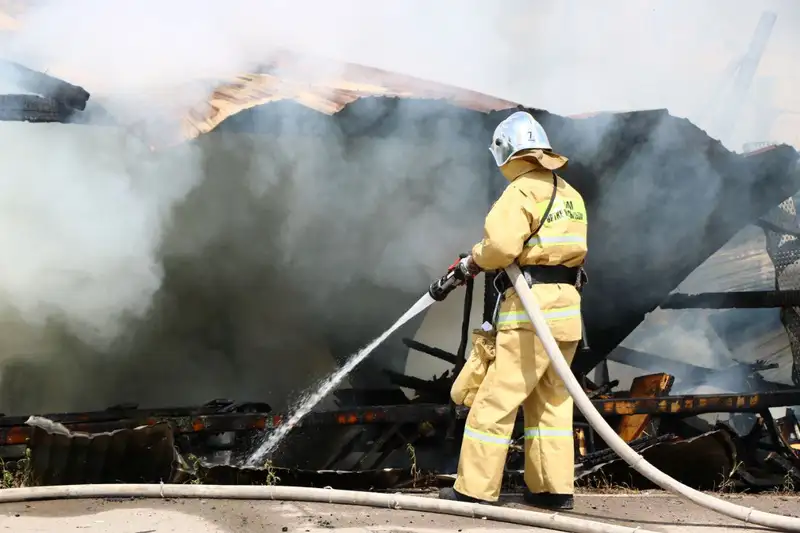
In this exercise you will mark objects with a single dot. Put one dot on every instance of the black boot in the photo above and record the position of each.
(552, 502)
(449, 493)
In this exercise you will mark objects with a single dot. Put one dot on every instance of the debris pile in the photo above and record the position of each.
(407, 446)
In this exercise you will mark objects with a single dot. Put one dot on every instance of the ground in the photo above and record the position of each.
(654, 511)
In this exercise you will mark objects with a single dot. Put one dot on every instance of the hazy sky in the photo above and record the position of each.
(574, 56)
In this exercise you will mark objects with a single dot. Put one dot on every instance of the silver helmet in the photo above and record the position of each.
(517, 132)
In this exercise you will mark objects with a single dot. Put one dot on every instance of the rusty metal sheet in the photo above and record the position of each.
(733, 300)
(59, 456)
(698, 404)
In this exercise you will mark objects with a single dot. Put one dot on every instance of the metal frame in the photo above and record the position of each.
(188, 420)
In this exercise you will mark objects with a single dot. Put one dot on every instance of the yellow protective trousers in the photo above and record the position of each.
(521, 374)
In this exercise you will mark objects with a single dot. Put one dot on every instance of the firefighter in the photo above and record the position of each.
(540, 222)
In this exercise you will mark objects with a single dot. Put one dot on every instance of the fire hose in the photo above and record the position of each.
(615, 442)
(553, 521)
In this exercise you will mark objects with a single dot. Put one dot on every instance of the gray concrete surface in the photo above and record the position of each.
(655, 511)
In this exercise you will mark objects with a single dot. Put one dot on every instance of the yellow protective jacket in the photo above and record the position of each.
(561, 240)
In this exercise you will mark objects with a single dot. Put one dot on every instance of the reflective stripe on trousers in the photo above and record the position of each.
(515, 318)
(548, 433)
(486, 438)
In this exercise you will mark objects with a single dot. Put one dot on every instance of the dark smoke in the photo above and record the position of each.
(291, 249)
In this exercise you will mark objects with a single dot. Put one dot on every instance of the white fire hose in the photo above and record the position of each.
(598, 423)
(554, 521)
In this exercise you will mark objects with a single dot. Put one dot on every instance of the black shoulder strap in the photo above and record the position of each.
(549, 206)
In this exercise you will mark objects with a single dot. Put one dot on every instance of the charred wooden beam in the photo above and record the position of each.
(377, 446)
(603, 389)
(733, 300)
(45, 85)
(430, 350)
(688, 372)
(131, 411)
(417, 384)
(32, 108)
(607, 454)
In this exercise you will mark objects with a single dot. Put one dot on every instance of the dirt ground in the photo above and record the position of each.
(655, 511)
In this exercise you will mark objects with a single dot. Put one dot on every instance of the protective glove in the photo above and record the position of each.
(465, 268)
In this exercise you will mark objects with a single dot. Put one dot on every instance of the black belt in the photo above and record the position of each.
(535, 274)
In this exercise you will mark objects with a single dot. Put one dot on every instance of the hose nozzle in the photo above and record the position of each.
(443, 286)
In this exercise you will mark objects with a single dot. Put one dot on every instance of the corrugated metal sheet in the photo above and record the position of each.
(62, 457)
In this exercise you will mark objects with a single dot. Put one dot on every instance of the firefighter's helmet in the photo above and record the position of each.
(518, 132)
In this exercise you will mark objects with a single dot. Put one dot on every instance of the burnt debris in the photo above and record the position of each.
(53, 100)
(400, 446)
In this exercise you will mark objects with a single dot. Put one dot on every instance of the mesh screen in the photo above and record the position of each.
(784, 252)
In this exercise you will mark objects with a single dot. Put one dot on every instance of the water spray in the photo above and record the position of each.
(310, 400)
(437, 292)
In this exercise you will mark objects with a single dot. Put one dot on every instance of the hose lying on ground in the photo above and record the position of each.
(610, 437)
(555, 521)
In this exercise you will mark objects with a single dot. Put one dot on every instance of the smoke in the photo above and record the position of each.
(199, 271)
(721, 341)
